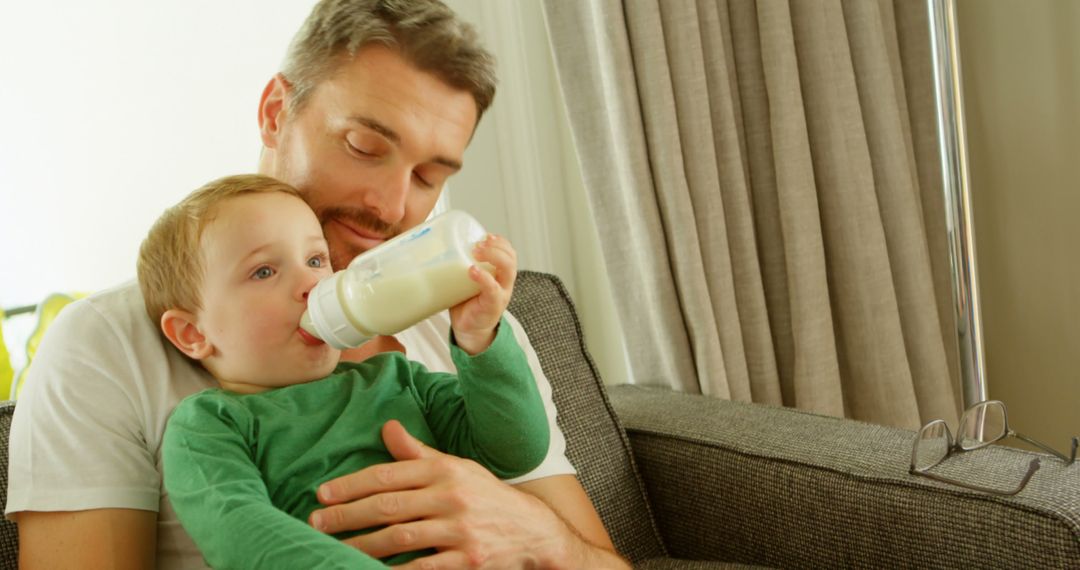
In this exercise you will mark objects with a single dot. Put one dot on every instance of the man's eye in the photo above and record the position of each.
(423, 182)
(317, 261)
(264, 272)
(366, 148)
(353, 148)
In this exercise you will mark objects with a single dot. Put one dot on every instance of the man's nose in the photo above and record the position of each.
(386, 199)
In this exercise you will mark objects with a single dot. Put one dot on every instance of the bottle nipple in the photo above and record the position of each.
(308, 326)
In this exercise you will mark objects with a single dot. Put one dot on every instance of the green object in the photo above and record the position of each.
(7, 373)
(241, 471)
(46, 312)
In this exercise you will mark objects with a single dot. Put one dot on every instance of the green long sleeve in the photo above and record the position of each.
(241, 471)
(493, 414)
(220, 497)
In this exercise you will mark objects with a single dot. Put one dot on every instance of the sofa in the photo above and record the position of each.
(686, 482)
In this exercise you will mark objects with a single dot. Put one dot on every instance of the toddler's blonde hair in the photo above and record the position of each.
(170, 266)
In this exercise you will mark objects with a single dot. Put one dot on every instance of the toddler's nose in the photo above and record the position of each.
(306, 286)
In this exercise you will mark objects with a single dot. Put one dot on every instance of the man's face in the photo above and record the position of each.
(370, 149)
(262, 254)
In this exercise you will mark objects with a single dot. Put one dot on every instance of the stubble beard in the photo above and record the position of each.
(343, 254)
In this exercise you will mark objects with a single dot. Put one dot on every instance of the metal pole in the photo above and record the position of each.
(954, 164)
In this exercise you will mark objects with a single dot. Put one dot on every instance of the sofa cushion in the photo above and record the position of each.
(596, 444)
(780, 487)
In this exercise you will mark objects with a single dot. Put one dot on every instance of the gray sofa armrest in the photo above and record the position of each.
(779, 487)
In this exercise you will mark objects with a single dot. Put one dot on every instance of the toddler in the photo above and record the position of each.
(226, 273)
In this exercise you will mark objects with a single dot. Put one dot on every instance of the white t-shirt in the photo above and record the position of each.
(87, 429)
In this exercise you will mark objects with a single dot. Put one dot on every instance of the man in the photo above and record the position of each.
(372, 112)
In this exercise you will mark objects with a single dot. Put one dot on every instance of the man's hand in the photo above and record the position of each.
(433, 500)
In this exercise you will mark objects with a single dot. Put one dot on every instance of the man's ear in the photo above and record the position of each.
(182, 329)
(273, 107)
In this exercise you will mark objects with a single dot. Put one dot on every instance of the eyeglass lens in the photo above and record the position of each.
(981, 425)
(933, 445)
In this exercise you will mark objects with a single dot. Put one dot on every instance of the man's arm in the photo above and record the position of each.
(82, 481)
(564, 495)
(100, 538)
(434, 500)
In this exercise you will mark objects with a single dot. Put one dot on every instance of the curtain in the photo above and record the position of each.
(765, 179)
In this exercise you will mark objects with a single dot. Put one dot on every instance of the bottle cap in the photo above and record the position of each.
(328, 318)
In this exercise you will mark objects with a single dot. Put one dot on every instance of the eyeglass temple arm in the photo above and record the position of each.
(1032, 468)
(1068, 460)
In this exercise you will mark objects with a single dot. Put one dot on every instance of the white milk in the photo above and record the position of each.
(398, 284)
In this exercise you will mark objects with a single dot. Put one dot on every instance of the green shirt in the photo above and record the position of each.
(241, 470)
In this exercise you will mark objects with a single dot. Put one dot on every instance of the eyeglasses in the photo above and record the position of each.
(981, 425)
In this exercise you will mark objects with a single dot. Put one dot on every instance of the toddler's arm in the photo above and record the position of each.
(491, 412)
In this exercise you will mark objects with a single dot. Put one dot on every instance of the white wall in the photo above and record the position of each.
(1021, 77)
(114, 110)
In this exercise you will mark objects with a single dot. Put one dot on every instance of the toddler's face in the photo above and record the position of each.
(262, 253)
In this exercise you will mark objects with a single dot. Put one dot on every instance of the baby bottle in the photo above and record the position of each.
(399, 283)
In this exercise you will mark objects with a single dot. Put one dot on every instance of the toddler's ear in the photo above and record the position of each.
(182, 329)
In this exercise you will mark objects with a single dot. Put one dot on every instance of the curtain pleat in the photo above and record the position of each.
(762, 177)
(598, 29)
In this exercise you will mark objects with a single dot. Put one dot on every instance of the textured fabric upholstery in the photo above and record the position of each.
(676, 564)
(9, 535)
(596, 445)
(783, 488)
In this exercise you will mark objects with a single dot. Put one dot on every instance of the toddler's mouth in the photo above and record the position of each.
(307, 338)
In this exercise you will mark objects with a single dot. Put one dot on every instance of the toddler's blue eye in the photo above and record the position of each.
(263, 272)
(316, 261)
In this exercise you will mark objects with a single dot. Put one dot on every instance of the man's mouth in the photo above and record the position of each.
(360, 236)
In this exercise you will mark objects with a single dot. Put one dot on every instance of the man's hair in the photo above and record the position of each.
(425, 32)
(170, 266)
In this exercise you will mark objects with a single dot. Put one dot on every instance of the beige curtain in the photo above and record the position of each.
(766, 183)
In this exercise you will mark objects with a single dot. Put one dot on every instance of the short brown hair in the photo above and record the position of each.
(426, 32)
(170, 265)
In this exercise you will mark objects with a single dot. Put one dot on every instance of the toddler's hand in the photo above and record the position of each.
(475, 319)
